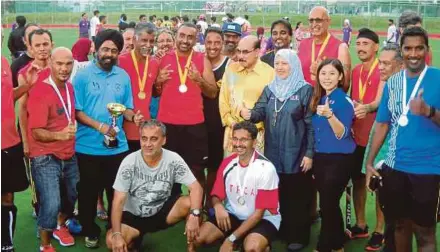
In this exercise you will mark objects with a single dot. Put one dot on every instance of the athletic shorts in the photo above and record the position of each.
(409, 196)
(14, 178)
(190, 142)
(264, 228)
(153, 223)
(357, 163)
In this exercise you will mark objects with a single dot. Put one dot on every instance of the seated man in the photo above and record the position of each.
(248, 184)
(142, 201)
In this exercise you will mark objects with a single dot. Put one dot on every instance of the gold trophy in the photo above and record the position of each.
(115, 110)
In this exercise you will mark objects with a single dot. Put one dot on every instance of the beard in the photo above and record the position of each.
(107, 65)
(230, 47)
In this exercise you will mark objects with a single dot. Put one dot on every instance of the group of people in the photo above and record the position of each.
(254, 139)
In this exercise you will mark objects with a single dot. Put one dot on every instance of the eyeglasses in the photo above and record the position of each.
(317, 20)
(244, 52)
(241, 140)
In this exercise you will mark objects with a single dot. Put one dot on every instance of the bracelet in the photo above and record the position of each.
(330, 116)
(116, 233)
(100, 126)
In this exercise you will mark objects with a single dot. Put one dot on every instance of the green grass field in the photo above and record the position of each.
(171, 240)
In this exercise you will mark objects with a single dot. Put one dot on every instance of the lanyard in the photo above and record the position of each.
(68, 110)
(363, 87)
(136, 67)
(184, 74)
(240, 185)
(405, 107)
(321, 50)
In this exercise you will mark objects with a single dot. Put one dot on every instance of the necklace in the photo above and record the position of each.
(276, 111)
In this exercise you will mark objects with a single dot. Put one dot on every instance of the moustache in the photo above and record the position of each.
(362, 52)
(238, 146)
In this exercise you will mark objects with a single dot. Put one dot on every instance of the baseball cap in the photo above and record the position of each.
(232, 27)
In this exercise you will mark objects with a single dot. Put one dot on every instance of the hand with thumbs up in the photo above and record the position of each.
(360, 110)
(245, 112)
(418, 105)
(325, 110)
(138, 118)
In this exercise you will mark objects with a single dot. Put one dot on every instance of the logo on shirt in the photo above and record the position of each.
(294, 98)
(60, 110)
(95, 85)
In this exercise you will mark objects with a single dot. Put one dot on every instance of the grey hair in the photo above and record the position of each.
(395, 48)
(141, 27)
(153, 123)
(127, 30)
(409, 18)
(167, 31)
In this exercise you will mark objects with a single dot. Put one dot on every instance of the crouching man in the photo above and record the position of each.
(244, 197)
(142, 201)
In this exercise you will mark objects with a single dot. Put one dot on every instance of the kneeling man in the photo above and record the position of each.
(244, 196)
(142, 201)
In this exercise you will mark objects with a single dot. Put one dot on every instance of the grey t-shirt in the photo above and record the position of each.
(149, 188)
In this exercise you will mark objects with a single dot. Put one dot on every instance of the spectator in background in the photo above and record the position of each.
(93, 23)
(14, 26)
(185, 19)
(159, 22)
(392, 32)
(128, 35)
(167, 23)
(346, 31)
(101, 26)
(15, 42)
(143, 18)
(84, 26)
(299, 33)
(203, 24)
(262, 39)
(174, 23)
(132, 24)
(214, 22)
(151, 19)
(122, 24)
(246, 27)
(81, 49)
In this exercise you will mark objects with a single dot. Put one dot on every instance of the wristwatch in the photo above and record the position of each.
(195, 212)
(232, 238)
(431, 111)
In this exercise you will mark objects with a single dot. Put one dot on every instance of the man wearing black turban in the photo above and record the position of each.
(96, 86)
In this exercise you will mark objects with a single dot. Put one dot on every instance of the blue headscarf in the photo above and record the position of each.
(285, 88)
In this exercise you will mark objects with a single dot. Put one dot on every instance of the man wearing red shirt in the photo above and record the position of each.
(184, 76)
(366, 85)
(142, 69)
(322, 45)
(13, 171)
(51, 134)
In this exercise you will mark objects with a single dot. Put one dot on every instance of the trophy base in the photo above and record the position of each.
(110, 143)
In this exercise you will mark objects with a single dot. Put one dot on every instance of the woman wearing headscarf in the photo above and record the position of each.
(80, 52)
(284, 109)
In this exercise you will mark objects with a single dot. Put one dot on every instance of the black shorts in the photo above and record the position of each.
(153, 223)
(215, 148)
(264, 228)
(14, 178)
(133, 145)
(190, 142)
(409, 196)
(357, 162)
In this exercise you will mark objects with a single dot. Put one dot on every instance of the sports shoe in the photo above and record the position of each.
(7, 248)
(73, 226)
(47, 248)
(63, 236)
(356, 232)
(91, 242)
(375, 243)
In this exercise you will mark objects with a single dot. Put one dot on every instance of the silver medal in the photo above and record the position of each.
(183, 88)
(403, 120)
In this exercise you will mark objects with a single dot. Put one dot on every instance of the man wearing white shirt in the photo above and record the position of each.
(202, 23)
(93, 23)
(392, 32)
(244, 198)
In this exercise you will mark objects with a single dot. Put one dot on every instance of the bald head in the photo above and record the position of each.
(248, 51)
(319, 21)
(61, 64)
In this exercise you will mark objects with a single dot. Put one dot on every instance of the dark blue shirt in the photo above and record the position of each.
(325, 139)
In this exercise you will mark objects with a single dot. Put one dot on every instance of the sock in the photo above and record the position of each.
(9, 217)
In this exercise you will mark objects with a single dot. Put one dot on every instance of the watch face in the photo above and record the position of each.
(196, 212)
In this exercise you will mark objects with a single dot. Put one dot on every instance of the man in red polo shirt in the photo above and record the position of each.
(322, 45)
(185, 76)
(366, 84)
(51, 134)
(13, 171)
(142, 69)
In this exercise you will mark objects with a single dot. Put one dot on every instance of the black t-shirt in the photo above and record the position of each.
(17, 65)
(210, 106)
(269, 58)
(15, 41)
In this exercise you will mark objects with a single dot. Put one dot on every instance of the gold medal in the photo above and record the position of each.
(183, 74)
(141, 95)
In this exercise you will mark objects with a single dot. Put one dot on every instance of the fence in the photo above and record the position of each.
(262, 12)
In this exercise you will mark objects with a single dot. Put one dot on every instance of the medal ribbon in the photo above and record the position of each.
(363, 87)
(183, 76)
(321, 50)
(240, 185)
(142, 82)
(68, 109)
(405, 105)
